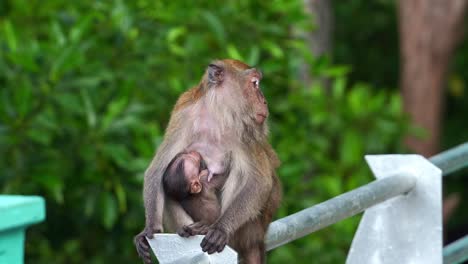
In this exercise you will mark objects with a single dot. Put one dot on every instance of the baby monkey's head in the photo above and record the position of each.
(182, 176)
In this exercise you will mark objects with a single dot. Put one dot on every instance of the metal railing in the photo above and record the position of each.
(338, 208)
(408, 227)
(351, 203)
(452, 160)
(457, 252)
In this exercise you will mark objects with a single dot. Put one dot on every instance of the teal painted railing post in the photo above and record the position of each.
(16, 214)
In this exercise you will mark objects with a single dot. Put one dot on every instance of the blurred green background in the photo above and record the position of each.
(86, 90)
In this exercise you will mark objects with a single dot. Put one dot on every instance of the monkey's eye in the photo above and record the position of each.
(255, 82)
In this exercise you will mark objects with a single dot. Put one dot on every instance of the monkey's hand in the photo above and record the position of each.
(203, 174)
(197, 228)
(215, 240)
(142, 245)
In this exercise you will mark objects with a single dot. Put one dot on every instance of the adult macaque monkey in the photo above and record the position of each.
(222, 118)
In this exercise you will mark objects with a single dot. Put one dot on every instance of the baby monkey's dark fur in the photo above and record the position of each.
(203, 206)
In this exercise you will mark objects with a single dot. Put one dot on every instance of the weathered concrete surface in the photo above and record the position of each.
(407, 228)
(174, 249)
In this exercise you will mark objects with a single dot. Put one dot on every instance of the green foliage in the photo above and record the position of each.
(87, 88)
(366, 37)
(321, 137)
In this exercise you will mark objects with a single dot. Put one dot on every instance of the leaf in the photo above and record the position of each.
(456, 86)
(121, 16)
(57, 33)
(109, 210)
(10, 35)
(395, 105)
(62, 62)
(351, 149)
(39, 136)
(173, 37)
(216, 26)
(121, 197)
(318, 118)
(274, 49)
(115, 108)
(117, 153)
(357, 101)
(53, 184)
(176, 84)
(89, 108)
(291, 170)
(254, 55)
(234, 53)
(72, 247)
(77, 32)
(332, 185)
(25, 60)
(47, 120)
(70, 103)
(7, 108)
(339, 85)
(23, 98)
(90, 204)
(336, 71)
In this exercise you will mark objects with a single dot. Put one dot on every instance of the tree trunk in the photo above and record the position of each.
(429, 32)
(320, 39)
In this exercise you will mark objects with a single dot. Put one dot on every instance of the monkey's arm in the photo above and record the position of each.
(273, 157)
(153, 192)
(173, 143)
(246, 205)
(153, 196)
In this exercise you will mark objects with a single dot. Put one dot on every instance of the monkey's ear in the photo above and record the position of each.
(195, 187)
(215, 74)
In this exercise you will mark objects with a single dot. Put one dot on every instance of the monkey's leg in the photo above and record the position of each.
(175, 216)
(248, 242)
(254, 255)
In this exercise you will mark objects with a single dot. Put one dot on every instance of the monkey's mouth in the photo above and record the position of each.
(260, 118)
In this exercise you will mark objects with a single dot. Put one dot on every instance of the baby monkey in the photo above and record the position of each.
(187, 181)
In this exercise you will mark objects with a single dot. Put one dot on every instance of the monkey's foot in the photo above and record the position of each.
(214, 241)
(142, 245)
(197, 228)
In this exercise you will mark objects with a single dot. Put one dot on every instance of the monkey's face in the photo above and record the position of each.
(239, 85)
(192, 161)
(254, 95)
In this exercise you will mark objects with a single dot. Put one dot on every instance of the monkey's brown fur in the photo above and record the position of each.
(223, 116)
